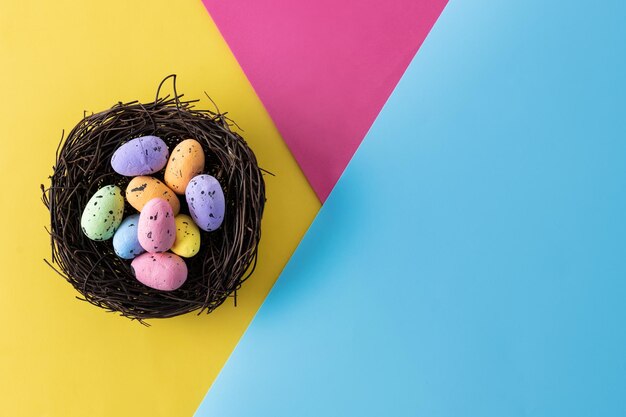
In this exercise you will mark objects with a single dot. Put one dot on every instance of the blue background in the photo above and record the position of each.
(472, 259)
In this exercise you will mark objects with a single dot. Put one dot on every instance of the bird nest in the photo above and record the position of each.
(227, 256)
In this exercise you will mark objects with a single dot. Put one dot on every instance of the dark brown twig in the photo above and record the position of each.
(227, 256)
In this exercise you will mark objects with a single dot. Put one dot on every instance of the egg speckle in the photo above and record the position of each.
(161, 271)
(140, 156)
(157, 227)
(206, 202)
(142, 189)
(103, 213)
(125, 241)
(185, 162)
(187, 243)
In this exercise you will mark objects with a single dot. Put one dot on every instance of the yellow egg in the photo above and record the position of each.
(187, 242)
(142, 189)
(186, 161)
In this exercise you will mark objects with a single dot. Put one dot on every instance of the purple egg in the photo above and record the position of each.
(157, 228)
(206, 202)
(141, 156)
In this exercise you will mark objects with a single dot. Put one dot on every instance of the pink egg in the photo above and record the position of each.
(156, 230)
(161, 271)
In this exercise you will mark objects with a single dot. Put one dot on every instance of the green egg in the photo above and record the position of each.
(103, 213)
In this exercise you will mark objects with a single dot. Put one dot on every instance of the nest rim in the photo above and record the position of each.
(227, 256)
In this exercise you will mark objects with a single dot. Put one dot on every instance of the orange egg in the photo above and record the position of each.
(186, 161)
(142, 189)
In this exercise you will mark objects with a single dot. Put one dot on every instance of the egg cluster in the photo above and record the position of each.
(158, 236)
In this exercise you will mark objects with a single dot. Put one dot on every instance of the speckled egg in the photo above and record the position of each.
(140, 190)
(157, 228)
(186, 161)
(125, 241)
(103, 213)
(206, 202)
(161, 271)
(140, 156)
(187, 242)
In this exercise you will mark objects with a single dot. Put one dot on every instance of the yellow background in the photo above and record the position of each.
(63, 357)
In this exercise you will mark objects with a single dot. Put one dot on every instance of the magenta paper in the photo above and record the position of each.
(324, 68)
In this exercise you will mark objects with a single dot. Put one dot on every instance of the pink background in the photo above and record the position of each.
(324, 68)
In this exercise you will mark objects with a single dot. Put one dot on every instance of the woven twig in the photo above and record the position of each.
(227, 256)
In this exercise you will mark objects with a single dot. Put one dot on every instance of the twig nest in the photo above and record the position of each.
(132, 252)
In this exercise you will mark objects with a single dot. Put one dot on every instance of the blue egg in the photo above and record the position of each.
(141, 156)
(206, 202)
(125, 241)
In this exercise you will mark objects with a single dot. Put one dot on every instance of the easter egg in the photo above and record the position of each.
(125, 241)
(140, 190)
(187, 242)
(103, 213)
(140, 156)
(161, 271)
(206, 202)
(186, 161)
(157, 228)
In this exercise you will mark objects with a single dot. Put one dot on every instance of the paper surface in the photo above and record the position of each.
(324, 69)
(471, 260)
(60, 357)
